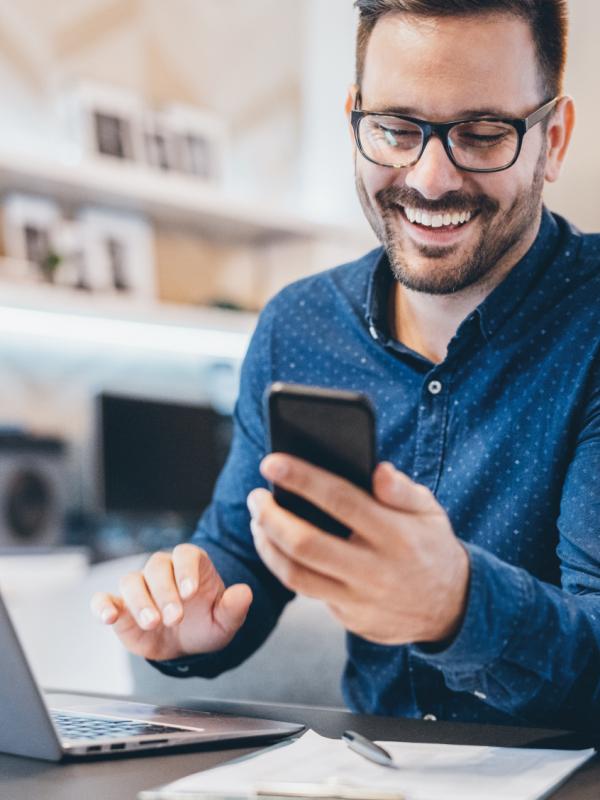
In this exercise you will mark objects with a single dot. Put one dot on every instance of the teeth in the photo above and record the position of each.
(436, 220)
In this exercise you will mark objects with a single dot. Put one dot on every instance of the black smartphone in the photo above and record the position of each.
(330, 428)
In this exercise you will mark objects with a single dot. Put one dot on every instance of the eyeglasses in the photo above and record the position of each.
(485, 144)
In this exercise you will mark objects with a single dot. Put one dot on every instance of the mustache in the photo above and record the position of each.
(393, 196)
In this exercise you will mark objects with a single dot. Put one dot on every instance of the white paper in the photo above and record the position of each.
(427, 771)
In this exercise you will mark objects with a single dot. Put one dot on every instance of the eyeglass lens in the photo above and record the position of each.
(479, 144)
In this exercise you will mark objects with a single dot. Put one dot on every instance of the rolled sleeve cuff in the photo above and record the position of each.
(496, 608)
(204, 665)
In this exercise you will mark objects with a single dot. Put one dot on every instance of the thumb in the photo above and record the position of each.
(232, 607)
(397, 490)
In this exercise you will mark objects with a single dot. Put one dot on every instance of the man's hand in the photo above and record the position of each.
(401, 577)
(177, 606)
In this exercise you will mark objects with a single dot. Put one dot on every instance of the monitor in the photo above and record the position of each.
(158, 457)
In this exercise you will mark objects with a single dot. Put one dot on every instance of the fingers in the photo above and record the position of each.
(338, 497)
(231, 609)
(398, 491)
(106, 607)
(189, 562)
(156, 595)
(297, 539)
(342, 499)
(294, 575)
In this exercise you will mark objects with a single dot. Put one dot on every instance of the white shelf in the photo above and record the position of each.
(83, 318)
(165, 197)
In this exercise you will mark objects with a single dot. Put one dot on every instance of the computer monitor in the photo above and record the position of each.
(159, 457)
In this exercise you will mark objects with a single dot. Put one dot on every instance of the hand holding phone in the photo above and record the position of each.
(330, 428)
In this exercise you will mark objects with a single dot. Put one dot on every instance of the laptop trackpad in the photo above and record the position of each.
(210, 722)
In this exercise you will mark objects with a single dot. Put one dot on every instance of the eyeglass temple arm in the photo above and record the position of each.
(540, 114)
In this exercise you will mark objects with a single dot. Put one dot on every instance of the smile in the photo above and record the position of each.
(439, 220)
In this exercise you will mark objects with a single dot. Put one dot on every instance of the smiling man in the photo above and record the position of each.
(470, 586)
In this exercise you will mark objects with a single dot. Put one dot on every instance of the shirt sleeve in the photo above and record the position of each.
(224, 529)
(527, 647)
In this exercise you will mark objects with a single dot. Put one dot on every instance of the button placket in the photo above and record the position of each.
(432, 420)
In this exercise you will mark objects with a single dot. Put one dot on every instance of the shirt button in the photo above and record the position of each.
(373, 332)
(430, 717)
(480, 695)
(434, 387)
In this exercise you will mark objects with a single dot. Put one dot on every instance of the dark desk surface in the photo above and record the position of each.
(122, 779)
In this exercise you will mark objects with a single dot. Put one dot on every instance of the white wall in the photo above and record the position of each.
(577, 193)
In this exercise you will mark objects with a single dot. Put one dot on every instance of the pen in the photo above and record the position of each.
(368, 749)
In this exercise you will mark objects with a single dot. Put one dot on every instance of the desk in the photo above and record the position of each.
(121, 779)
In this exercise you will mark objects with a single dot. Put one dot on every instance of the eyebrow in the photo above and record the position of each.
(466, 113)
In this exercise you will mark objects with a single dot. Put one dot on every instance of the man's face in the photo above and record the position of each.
(442, 70)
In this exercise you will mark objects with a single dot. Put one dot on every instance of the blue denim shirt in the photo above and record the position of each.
(509, 442)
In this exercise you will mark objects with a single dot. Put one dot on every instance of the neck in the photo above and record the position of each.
(426, 323)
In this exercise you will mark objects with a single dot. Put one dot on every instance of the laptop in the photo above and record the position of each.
(58, 726)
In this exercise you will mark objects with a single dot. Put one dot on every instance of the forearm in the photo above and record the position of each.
(526, 648)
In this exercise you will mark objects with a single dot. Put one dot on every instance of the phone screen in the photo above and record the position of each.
(332, 429)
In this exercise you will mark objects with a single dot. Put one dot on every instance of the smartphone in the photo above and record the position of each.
(330, 428)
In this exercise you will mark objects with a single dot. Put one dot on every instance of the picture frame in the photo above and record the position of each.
(117, 252)
(160, 145)
(105, 121)
(29, 225)
(200, 142)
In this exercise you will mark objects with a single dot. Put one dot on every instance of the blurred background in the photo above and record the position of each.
(165, 167)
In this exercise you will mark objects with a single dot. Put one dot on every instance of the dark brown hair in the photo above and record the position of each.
(548, 20)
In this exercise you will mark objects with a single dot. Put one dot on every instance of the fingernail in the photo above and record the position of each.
(106, 613)
(147, 617)
(186, 588)
(170, 613)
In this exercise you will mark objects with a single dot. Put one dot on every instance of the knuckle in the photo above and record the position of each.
(128, 582)
(300, 545)
(186, 551)
(340, 501)
(157, 559)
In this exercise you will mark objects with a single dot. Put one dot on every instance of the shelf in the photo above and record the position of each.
(43, 313)
(165, 197)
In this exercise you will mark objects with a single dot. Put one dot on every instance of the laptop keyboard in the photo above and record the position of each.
(72, 726)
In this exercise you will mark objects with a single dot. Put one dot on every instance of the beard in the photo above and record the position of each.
(448, 269)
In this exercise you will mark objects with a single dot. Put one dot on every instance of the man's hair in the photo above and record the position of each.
(547, 19)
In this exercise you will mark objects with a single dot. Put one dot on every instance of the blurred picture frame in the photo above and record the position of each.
(160, 145)
(200, 142)
(118, 252)
(29, 225)
(105, 121)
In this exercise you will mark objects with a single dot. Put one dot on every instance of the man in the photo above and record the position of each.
(470, 586)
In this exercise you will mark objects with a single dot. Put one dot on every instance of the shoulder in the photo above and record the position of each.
(337, 290)
(590, 251)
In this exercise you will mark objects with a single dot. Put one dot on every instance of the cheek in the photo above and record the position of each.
(374, 178)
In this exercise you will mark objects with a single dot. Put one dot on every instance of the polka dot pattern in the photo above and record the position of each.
(505, 432)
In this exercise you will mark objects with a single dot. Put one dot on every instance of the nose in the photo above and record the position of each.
(434, 175)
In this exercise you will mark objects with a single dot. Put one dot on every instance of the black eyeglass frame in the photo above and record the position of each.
(442, 131)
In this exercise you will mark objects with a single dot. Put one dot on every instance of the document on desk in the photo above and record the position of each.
(317, 767)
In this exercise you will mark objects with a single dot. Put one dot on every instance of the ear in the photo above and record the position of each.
(349, 105)
(558, 137)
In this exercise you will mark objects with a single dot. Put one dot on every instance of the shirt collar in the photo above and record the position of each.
(497, 306)
(514, 289)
